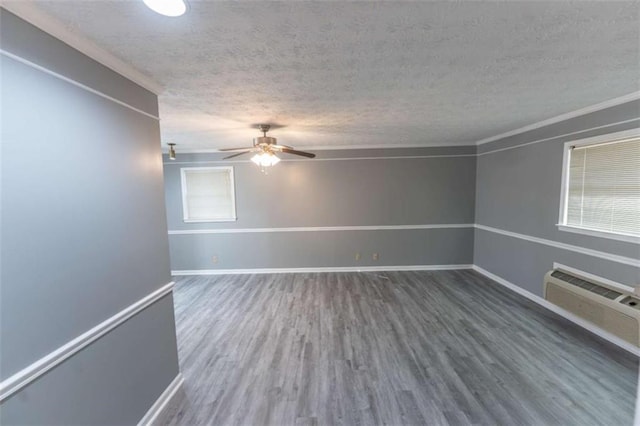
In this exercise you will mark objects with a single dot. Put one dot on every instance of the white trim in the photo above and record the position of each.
(28, 11)
(75, 83)
(185, 209)
(636, 419)
(30, 373)
(608, 137)
(400, 157)
(566, 158)
(165, 397)
(563, 313)
(559, 136)
(564, 246)
(205, 151)
(319, 269)
(397, 157)
(566, 116)
(589, 276)
(389, 146)
(318, 229)
(348, 147)
(634, 239)
(226, 219)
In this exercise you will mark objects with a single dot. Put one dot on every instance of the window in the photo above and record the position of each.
(601, 191)
(208, 194)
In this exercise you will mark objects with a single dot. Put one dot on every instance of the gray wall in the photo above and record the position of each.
(339, 188)
(518, 190)
(83, 236)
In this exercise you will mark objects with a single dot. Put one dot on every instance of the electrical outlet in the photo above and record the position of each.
(375, 256)
(214, 259)
(358, 256)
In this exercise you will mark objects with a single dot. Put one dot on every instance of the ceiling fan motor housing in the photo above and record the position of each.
(264, 140)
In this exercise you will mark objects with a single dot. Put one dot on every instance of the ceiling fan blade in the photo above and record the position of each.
(236, 155)
(281, 147)
(301, 153)
(236, 149)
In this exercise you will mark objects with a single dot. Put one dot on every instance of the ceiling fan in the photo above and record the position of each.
(266, 148)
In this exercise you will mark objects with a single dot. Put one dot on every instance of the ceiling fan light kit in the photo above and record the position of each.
(265, 159)
(266, 148)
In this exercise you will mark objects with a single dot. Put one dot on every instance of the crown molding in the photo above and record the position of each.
(320, 229)
(27, 10)
(315, 160)
(566, 116)
(562, 117)
(564, 135)
(387, 146)
(332, 148)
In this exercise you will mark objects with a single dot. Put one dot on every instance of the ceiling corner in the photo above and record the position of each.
(27, 10)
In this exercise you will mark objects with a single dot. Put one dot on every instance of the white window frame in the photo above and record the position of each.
(185, 209)
(562, 216)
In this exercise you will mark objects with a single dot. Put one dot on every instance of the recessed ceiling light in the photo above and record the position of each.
(167, 7)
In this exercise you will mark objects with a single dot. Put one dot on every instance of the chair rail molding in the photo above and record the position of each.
(30, 373)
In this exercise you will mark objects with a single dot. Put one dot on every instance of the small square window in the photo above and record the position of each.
(208, 194)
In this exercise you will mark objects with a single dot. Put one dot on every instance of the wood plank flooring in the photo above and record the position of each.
(436, 348)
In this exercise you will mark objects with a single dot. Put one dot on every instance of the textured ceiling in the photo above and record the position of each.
(367, 73)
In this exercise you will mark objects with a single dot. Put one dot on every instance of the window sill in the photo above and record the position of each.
(601, 234)
(230, 219)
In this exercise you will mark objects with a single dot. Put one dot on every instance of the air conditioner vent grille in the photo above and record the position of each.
(594, 288)
(606, 306)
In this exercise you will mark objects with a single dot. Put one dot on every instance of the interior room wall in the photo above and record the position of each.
(424, 199)
(518, 202)
(84, 238)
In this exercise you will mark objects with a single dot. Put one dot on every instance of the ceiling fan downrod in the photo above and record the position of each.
(264, 140)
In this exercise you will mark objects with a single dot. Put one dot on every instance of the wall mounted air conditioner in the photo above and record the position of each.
(608, 307)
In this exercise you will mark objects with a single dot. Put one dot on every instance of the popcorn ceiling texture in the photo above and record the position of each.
(372, 73)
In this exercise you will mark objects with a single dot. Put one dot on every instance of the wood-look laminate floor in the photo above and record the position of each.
(445, 347)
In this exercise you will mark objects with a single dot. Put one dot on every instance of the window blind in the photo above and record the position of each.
(604, 187)
(209, 194)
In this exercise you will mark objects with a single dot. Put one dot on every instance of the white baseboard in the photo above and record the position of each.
(30, 373)
(162, 401)
(319, 269)
(563, 313)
